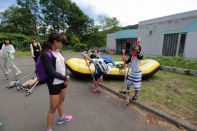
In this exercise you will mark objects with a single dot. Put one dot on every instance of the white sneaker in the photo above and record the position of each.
(18, 73)
(8, 72)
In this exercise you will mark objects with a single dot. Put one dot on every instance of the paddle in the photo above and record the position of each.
(125, 75)
(94, 81)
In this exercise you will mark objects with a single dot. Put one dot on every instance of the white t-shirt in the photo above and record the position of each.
(135, 65)
(60, 66)
(7, 49)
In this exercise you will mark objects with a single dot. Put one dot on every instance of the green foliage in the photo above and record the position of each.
(33, 17)
(79, 47)
(106, 23)
(98, 33)
(20, 42)
(18, 20)
(64, 16)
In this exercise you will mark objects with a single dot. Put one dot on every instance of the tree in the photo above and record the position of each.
(32, 7)
(18, 20)
(78, 22)
(64, 16)
(55, 13)
(106, 23)
(98, 32)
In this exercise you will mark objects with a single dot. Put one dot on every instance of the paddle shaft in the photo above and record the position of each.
(94, 81)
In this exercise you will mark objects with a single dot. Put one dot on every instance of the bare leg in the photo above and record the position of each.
(136, 93)
(31, 82)
(15, 67)
(127, 95)
(61, 103)
(5, 64)
(54, 102)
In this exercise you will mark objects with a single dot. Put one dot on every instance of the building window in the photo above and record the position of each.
(170, 44)
(182, 44)
(150, 33)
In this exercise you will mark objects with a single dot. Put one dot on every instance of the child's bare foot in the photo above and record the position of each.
(127, 100)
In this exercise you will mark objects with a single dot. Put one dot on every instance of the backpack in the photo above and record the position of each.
(108, 59)
(101, 66)
(40, 71)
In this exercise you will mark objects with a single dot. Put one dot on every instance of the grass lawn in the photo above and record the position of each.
(23, 53)
(169, 61)
(171, 92)
(28, 53)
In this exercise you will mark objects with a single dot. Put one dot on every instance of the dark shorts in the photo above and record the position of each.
(97, 75)
(56, 89)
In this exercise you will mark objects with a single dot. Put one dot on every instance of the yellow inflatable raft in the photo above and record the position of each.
(79, 68)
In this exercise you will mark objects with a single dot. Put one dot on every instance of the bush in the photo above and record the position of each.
(75, 43)
(21, 42)
(79, 47)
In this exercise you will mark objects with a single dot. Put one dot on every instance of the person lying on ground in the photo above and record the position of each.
(26, 85)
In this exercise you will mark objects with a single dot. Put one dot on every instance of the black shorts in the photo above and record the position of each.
(98, 75)
(56, 89)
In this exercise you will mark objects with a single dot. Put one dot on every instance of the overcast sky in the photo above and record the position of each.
(128, 11)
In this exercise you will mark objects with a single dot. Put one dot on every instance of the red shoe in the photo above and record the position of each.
(100, 80)
(95, 90)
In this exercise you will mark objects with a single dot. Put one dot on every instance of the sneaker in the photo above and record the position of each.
(66, 118)
(100, 80)
(48, 129)
(18, 73)
(11, 84)
(21, 86)
(8, 72)
(26, 86)
(95, 90)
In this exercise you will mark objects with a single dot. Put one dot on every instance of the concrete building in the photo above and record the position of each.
(124, 39)
(174, 35)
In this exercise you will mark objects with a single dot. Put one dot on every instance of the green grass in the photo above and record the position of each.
(180, 62)
(171, 92)
(23, 53)
(28, 53)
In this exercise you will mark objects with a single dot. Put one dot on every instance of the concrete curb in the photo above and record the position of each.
(179, 70)
(179, 123)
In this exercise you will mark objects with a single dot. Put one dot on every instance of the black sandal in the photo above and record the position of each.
(134, 98)
(124, 92)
